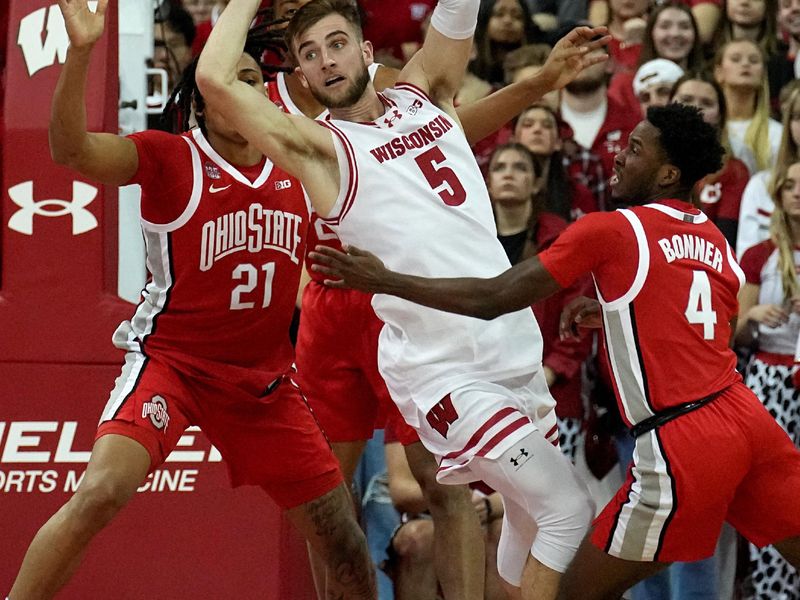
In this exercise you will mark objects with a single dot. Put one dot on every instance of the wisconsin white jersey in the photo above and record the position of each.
(412, 193)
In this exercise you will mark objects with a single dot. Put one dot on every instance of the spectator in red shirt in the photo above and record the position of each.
(671, 33)
(538, 129)
(601, 125)
(395, 28)
(525, 227)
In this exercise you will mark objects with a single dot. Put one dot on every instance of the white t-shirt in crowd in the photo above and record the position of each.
(585, 125)
(736, 132)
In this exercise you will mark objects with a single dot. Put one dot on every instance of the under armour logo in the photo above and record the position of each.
(520, 459)
(82, 195)
(389, 121)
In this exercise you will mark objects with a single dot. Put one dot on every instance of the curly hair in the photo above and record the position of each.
(186, 99)
(689, 142)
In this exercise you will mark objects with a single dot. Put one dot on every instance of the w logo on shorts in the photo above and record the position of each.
(156, 410)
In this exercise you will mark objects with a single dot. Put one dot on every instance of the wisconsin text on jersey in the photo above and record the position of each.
(423, 136)
(691, 247)
(255, 229)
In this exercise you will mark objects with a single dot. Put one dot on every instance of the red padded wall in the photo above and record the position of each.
(193, 537)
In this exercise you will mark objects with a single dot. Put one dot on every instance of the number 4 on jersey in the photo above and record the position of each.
(698, 310)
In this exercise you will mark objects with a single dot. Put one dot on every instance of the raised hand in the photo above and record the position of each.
(580, 312)
(355, 269)
(573, 53)
(84, 27)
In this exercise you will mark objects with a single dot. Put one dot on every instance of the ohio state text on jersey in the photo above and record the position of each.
(225, 246)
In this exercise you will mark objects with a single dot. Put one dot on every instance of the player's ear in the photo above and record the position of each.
(368, 52)
(670, 175)
(302, 77)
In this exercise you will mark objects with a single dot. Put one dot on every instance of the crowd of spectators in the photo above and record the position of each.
(736, 60)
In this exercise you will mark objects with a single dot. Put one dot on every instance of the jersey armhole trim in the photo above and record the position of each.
(348, 171)
(642, 267)
(410, 87)
(194, 199)
(737, 270)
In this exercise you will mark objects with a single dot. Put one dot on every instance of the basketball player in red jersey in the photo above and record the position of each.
(706, 449)
(225, 232)
(339, 372)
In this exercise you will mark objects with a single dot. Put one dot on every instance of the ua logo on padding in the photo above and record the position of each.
(82, 219)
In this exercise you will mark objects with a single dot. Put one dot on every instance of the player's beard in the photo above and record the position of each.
(350, 97)
(583, 87)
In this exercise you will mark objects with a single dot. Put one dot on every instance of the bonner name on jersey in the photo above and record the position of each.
(691, 247)
(419, 138)
(255, 229)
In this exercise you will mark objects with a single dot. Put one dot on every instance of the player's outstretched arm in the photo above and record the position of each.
(517, 288)
(570, 56)
(296, 144)
(439, 66)
(103, 157)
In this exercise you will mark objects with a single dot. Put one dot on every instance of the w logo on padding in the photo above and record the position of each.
(43, 37)
(82, 195)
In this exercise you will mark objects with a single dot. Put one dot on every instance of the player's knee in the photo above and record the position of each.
(561, 532)
(97, 501)
(414, 541)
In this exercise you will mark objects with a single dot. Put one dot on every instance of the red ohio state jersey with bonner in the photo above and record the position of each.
(668, 284)
(225, 246)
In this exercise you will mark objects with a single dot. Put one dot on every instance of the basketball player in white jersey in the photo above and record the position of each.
(393, 172)
(344, 387)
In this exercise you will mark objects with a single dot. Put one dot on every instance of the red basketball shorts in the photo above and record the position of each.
(272, 441)
(337, 362)
(726, 461)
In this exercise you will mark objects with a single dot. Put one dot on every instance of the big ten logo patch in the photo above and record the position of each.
(415, 106)
(156, 411)
(43, 39)
(82, 219)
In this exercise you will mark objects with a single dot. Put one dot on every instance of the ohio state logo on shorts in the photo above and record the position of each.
(156, 410)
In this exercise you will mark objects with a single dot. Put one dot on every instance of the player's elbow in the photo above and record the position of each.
(64, 151)
(210, 81)
(487, 307)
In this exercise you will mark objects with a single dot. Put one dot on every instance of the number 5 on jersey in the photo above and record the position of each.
(699, 310)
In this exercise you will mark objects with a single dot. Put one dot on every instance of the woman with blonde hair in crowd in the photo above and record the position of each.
(739, 68)
(757, 203)
(769, 319)
(719, 195)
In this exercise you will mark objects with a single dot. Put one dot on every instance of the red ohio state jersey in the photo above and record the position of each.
(668, 283)
(225, 246)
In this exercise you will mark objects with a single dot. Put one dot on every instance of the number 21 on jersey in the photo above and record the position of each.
(242, 295)
(699, 309)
